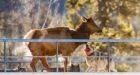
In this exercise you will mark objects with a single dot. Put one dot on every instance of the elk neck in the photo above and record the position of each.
(81, 33)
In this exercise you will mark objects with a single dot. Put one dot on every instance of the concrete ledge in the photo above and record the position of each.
(72, 73)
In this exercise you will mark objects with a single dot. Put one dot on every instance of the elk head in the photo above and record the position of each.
(91, 25)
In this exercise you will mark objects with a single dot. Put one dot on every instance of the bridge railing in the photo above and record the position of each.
(66, 40)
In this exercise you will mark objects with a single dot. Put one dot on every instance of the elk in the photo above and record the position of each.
(85, 29)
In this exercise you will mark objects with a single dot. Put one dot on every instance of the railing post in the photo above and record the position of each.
(10, 54)
(99, 59)
(57, 57)
(4, 55)
(108, 58)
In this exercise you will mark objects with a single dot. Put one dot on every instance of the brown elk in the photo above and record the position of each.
(86, 28)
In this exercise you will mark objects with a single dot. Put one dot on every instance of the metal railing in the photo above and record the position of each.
(67, 40)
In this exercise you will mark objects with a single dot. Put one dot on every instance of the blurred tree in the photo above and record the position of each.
(105, 11)
(114, 16)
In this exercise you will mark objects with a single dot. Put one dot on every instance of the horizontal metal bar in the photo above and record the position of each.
(69, 40)
(54, 56)
(25, 61)
(72, 56)
(112, 57)
(124, 57)
(1, 61)
(22, 61)
(49, 61)
(127, 61)
(73, 61)
(29, 56)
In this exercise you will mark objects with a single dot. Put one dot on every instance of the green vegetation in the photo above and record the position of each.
(115, 17)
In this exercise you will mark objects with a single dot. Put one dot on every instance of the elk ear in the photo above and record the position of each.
(84, 19)
(90, 19)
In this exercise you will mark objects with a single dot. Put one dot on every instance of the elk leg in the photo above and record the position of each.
(45, 64)
(65, 64)
(89, 68)
(33, 63)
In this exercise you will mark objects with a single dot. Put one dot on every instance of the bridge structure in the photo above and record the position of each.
(109, 56)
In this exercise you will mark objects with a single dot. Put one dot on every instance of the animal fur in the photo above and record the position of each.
(49, 48)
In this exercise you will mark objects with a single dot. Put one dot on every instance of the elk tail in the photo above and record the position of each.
(29, 35)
